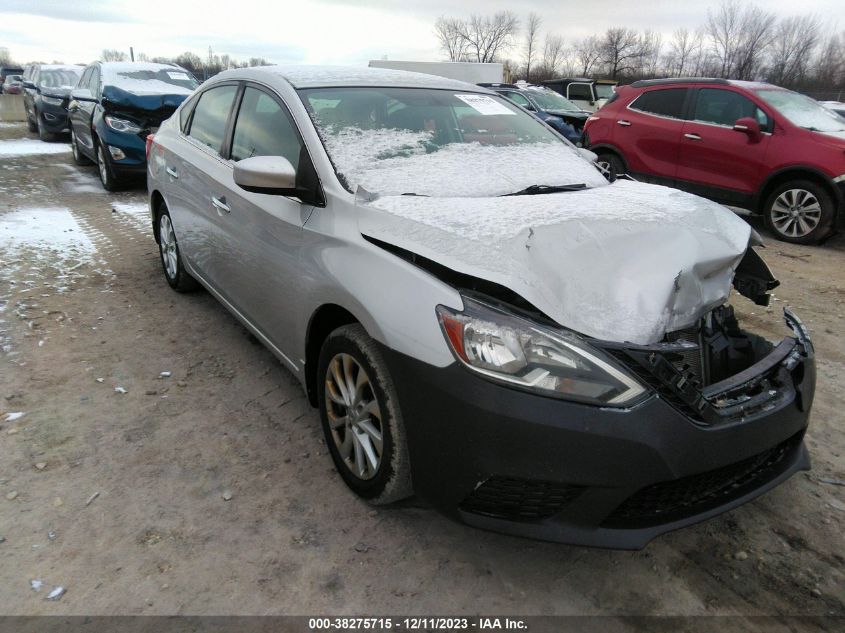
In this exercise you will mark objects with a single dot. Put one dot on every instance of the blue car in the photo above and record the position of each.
(548, 106)
(113, 109)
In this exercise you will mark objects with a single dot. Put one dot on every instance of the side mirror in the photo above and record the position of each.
(28, 84)
(273, 175)
(81, 94)
(748, 126)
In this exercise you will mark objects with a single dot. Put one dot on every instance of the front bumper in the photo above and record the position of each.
(515, 462)
(54, 118)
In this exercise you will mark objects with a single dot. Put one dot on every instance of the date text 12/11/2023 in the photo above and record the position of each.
(417, 623)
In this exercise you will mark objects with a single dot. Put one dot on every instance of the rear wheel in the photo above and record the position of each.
(171, 258)
(31, 125)
(800, 211)
(105, 170)
(610, 165)
(361, 418)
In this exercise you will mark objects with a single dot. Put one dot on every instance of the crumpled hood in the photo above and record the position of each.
(625, 262)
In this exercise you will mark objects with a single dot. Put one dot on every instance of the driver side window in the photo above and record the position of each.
(264, 128)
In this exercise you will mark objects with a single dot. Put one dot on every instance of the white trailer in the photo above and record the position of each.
(471, 72)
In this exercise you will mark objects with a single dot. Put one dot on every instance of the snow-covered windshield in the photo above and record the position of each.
(64, 78)
(151, 81)
(552, 101)
(442, 143)
(803, 111)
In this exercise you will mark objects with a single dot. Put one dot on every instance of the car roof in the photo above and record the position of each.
(349, 76)
(60, 66)
(747, 85)
(129, 66)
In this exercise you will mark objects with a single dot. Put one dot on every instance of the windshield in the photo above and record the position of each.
(551, 100)
(803, 111)
(604, 91)
(152, 81)
(395, 141)
(64, 78)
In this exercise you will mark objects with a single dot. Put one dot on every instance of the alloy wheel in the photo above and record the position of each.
(796, 213)
(74, 148)
(167, 244)
(354, 416)
(101, 164)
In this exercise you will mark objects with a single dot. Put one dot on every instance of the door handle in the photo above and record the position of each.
(624, 123)
(172, 173)
(692, 137)
(220, 204)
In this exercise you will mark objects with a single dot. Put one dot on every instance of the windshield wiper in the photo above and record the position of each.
(534, 190)
(418, 195)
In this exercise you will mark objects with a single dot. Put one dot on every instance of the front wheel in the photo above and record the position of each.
(78, 157)
(31, 125)
(800, 211)
(171, 257)
(104, 167)
(359, 409)
(43, 134)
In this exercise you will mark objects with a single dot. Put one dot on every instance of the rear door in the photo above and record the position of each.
(717, 160)
(649, 131)
(196, 173)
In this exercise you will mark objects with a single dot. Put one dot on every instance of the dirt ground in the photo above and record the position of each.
(160, 537)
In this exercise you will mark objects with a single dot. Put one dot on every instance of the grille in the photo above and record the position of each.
(690, 362)
(519, 499)
(672, 500)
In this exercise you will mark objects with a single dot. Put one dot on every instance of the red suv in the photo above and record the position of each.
(744, 144)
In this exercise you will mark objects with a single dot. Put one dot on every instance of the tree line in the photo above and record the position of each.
(738, 40)
(201, 68)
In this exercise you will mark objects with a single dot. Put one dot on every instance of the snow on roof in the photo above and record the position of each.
(331, 76)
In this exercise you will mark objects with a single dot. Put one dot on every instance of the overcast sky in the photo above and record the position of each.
(319, 31)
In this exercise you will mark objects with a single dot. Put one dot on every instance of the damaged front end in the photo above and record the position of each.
(717, 373)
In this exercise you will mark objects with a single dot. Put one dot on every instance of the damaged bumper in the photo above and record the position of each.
(515, 462)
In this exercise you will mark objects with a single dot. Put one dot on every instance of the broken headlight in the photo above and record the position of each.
(553, 362)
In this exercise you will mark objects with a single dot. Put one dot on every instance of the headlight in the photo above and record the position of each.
(57, 101)
(552, 362)
(122, 125)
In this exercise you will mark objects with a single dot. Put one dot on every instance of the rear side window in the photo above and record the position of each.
(668, 102)
(517, 98)
(208, 125)
(725, 107)
(582, 92)
(264, 128)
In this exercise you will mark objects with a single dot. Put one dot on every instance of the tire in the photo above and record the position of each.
(31, 125)
(104, 168)
(800, 211)
(610, 165)
(43, 134)
(346, 353)
(78, 157)
(171, 257)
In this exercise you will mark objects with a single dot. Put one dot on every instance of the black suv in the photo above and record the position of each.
(113, 109)
(46, 92)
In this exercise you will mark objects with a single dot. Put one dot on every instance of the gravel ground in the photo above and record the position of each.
(211, 491)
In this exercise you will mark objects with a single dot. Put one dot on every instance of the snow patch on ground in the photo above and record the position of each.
(52, 228)
(138, 214)
(30, 147)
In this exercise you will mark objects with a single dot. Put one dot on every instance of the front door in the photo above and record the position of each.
(719, 161)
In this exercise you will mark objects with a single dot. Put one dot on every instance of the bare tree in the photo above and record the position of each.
(621, 51)
(449, 32)
(683, 58)
(113, 55)
(651, 49)
(587, 54)
(489, 36)
(792, 49)
(756, 34)
(739, 36)
(5, 57)
(553, 54)
(532, 30)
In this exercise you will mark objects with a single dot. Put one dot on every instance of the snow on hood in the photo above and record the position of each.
(626, 262)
